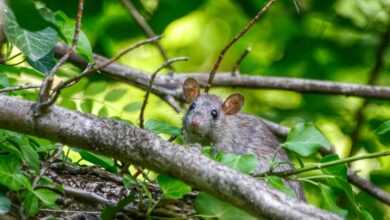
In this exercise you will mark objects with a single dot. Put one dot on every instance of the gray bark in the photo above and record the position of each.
(129, 143)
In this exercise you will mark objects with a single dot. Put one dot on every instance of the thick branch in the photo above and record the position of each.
(171, 86)
(128, 143)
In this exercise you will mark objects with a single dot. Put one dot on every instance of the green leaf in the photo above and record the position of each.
(337, 170)
(87, 105)
(5, 204)
(172, 188)
(278, 183)
(68, 103)
(115, 94)
(10, 175)
(103, 112)
(67, 26)
(132, 107)
(4, 82)
(48, 197)
(31, 204)
(109, 213)
(329, 201)
(105, 162)
(35, 45)
(44, 64)
(383, 132)
(129, 181)
(95, 88)
(305, 139)
(213, 208)
(244, 163)
(160, 127)
(365, 215)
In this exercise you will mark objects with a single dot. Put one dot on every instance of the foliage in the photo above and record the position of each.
(330, 40)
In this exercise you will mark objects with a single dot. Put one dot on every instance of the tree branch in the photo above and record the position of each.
(128, 143)
(171, 86)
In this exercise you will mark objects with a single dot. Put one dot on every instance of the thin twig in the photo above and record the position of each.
(91, 69)
(21, 87)
(236, 67)
(234, 40)
(326, 164)
(145, 102)
(48, 81)
(373, 78)
(141, 21)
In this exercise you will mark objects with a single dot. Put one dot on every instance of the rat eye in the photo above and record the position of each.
(214, 114)
(192, 106)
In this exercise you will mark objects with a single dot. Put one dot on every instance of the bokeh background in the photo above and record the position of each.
(330, 40)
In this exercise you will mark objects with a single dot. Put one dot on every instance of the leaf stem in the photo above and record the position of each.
(326, 164)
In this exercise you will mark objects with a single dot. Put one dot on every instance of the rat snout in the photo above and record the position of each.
(195, 122)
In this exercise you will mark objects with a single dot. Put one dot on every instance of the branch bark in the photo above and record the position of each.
(171, 85)
(128, 143)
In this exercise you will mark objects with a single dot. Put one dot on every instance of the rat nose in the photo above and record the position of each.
(195, 122)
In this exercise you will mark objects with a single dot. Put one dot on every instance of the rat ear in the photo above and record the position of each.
(233, 104)
(191, 90)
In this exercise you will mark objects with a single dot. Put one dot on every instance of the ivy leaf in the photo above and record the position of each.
(172, 188)
(305, 139)
(329, 201)
(244, 163)
(213, 208)
(160, 127)
(35, 45)
(5, 204)
(105, 162)
(95, 88)
(44, 64)
(65, 26)
(278, 183)
(383, 132)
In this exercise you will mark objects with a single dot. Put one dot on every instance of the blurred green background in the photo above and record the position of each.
(331, 40)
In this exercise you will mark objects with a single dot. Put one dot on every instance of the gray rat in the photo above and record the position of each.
(208, 120)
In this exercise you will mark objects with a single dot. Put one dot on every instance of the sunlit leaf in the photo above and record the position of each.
(243, 163)
(305, 139)
(132, 107)
(35, 45)
(114, 95)
(172, 188)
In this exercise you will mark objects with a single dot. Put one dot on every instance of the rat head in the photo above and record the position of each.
(207, 113)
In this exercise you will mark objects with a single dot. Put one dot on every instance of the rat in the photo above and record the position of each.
(211, 121)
